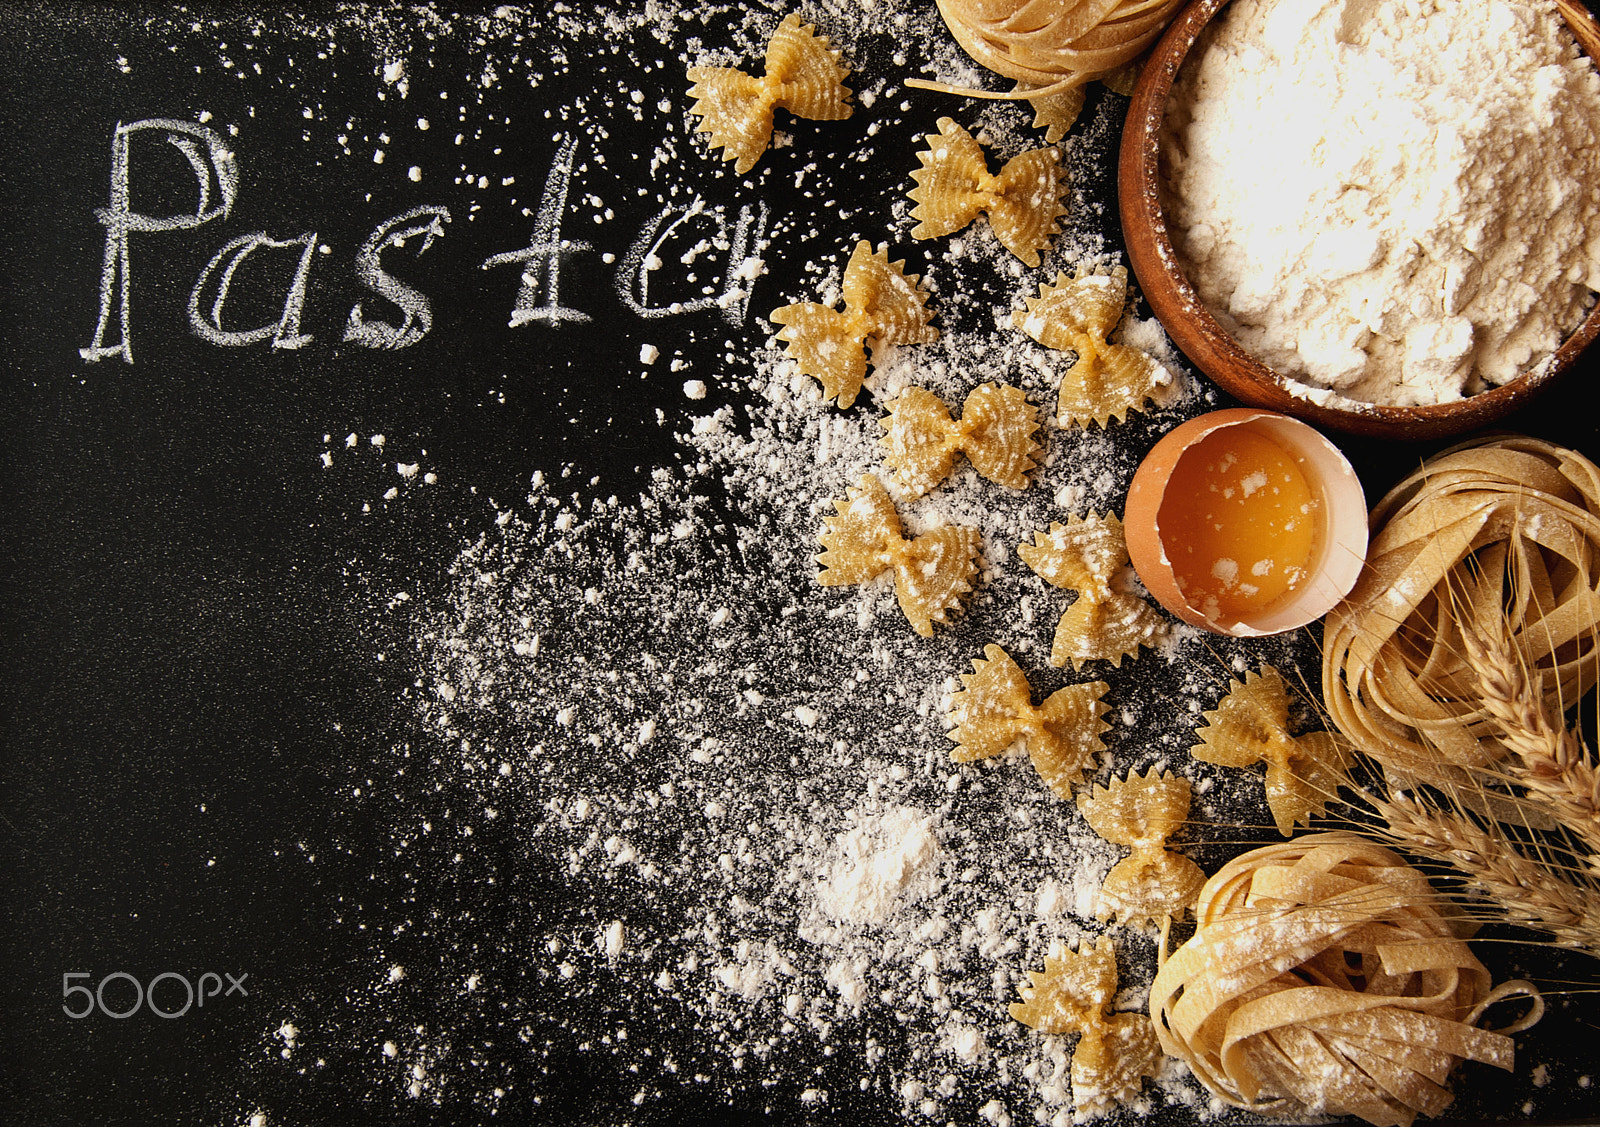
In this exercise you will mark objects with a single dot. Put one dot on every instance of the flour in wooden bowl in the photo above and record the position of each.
(1400, 203)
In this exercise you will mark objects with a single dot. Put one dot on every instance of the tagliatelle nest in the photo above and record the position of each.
(1323, 977)
(1052, 49)
(1493, 535)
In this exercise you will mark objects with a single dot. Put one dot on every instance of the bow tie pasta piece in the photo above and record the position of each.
(1115, 1051)
(1141, 813)
(996, 430)
(1079, 314)
(882, 304)
(804, 75)
(1055, 112)
(954, 186)
(931, 572)
(994, 709)
(1107, 623)
(1252, 725)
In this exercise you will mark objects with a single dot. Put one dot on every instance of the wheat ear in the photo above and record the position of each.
(1527, 890)
(1547, 758)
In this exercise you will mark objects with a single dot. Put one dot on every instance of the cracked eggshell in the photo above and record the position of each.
(1341, 546)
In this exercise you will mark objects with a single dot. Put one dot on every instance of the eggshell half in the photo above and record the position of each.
(1343, 543)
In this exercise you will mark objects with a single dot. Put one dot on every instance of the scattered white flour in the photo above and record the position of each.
(1399, 202)
(655, 826)
(887, 857)
(761, 787)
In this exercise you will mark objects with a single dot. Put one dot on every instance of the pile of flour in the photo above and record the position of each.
(1399, 202)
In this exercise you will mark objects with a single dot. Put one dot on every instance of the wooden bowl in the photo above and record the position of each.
(1209, 346)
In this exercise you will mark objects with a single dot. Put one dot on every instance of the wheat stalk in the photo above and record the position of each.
(1468, 632)
(1528, 891)
(1547, 758)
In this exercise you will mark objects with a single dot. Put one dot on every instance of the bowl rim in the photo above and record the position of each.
(1202, 339)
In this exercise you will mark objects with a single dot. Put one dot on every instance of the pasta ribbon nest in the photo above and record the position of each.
(1324, 975)
(1058, 45)
(1493, 535)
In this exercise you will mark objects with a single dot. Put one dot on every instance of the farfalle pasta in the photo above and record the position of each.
(994, 709)
(1323, 977)
(1078, 315)
(883, 305)
(1141, 812)
(995, 432)
(1251, 725)
(1115, 1050)
(1055, 112)
(804, 75)
(931, 572)
(1106, 621)
(954, 186)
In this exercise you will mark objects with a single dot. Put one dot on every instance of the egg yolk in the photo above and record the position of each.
(1240, 523)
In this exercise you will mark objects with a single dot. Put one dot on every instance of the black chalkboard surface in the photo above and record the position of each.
(417, 703)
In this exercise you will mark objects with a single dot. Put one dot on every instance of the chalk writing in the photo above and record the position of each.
(285, 333)
(425, 221)
(744, 243)
(740, 237)
(541, 258)
(119, 218)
